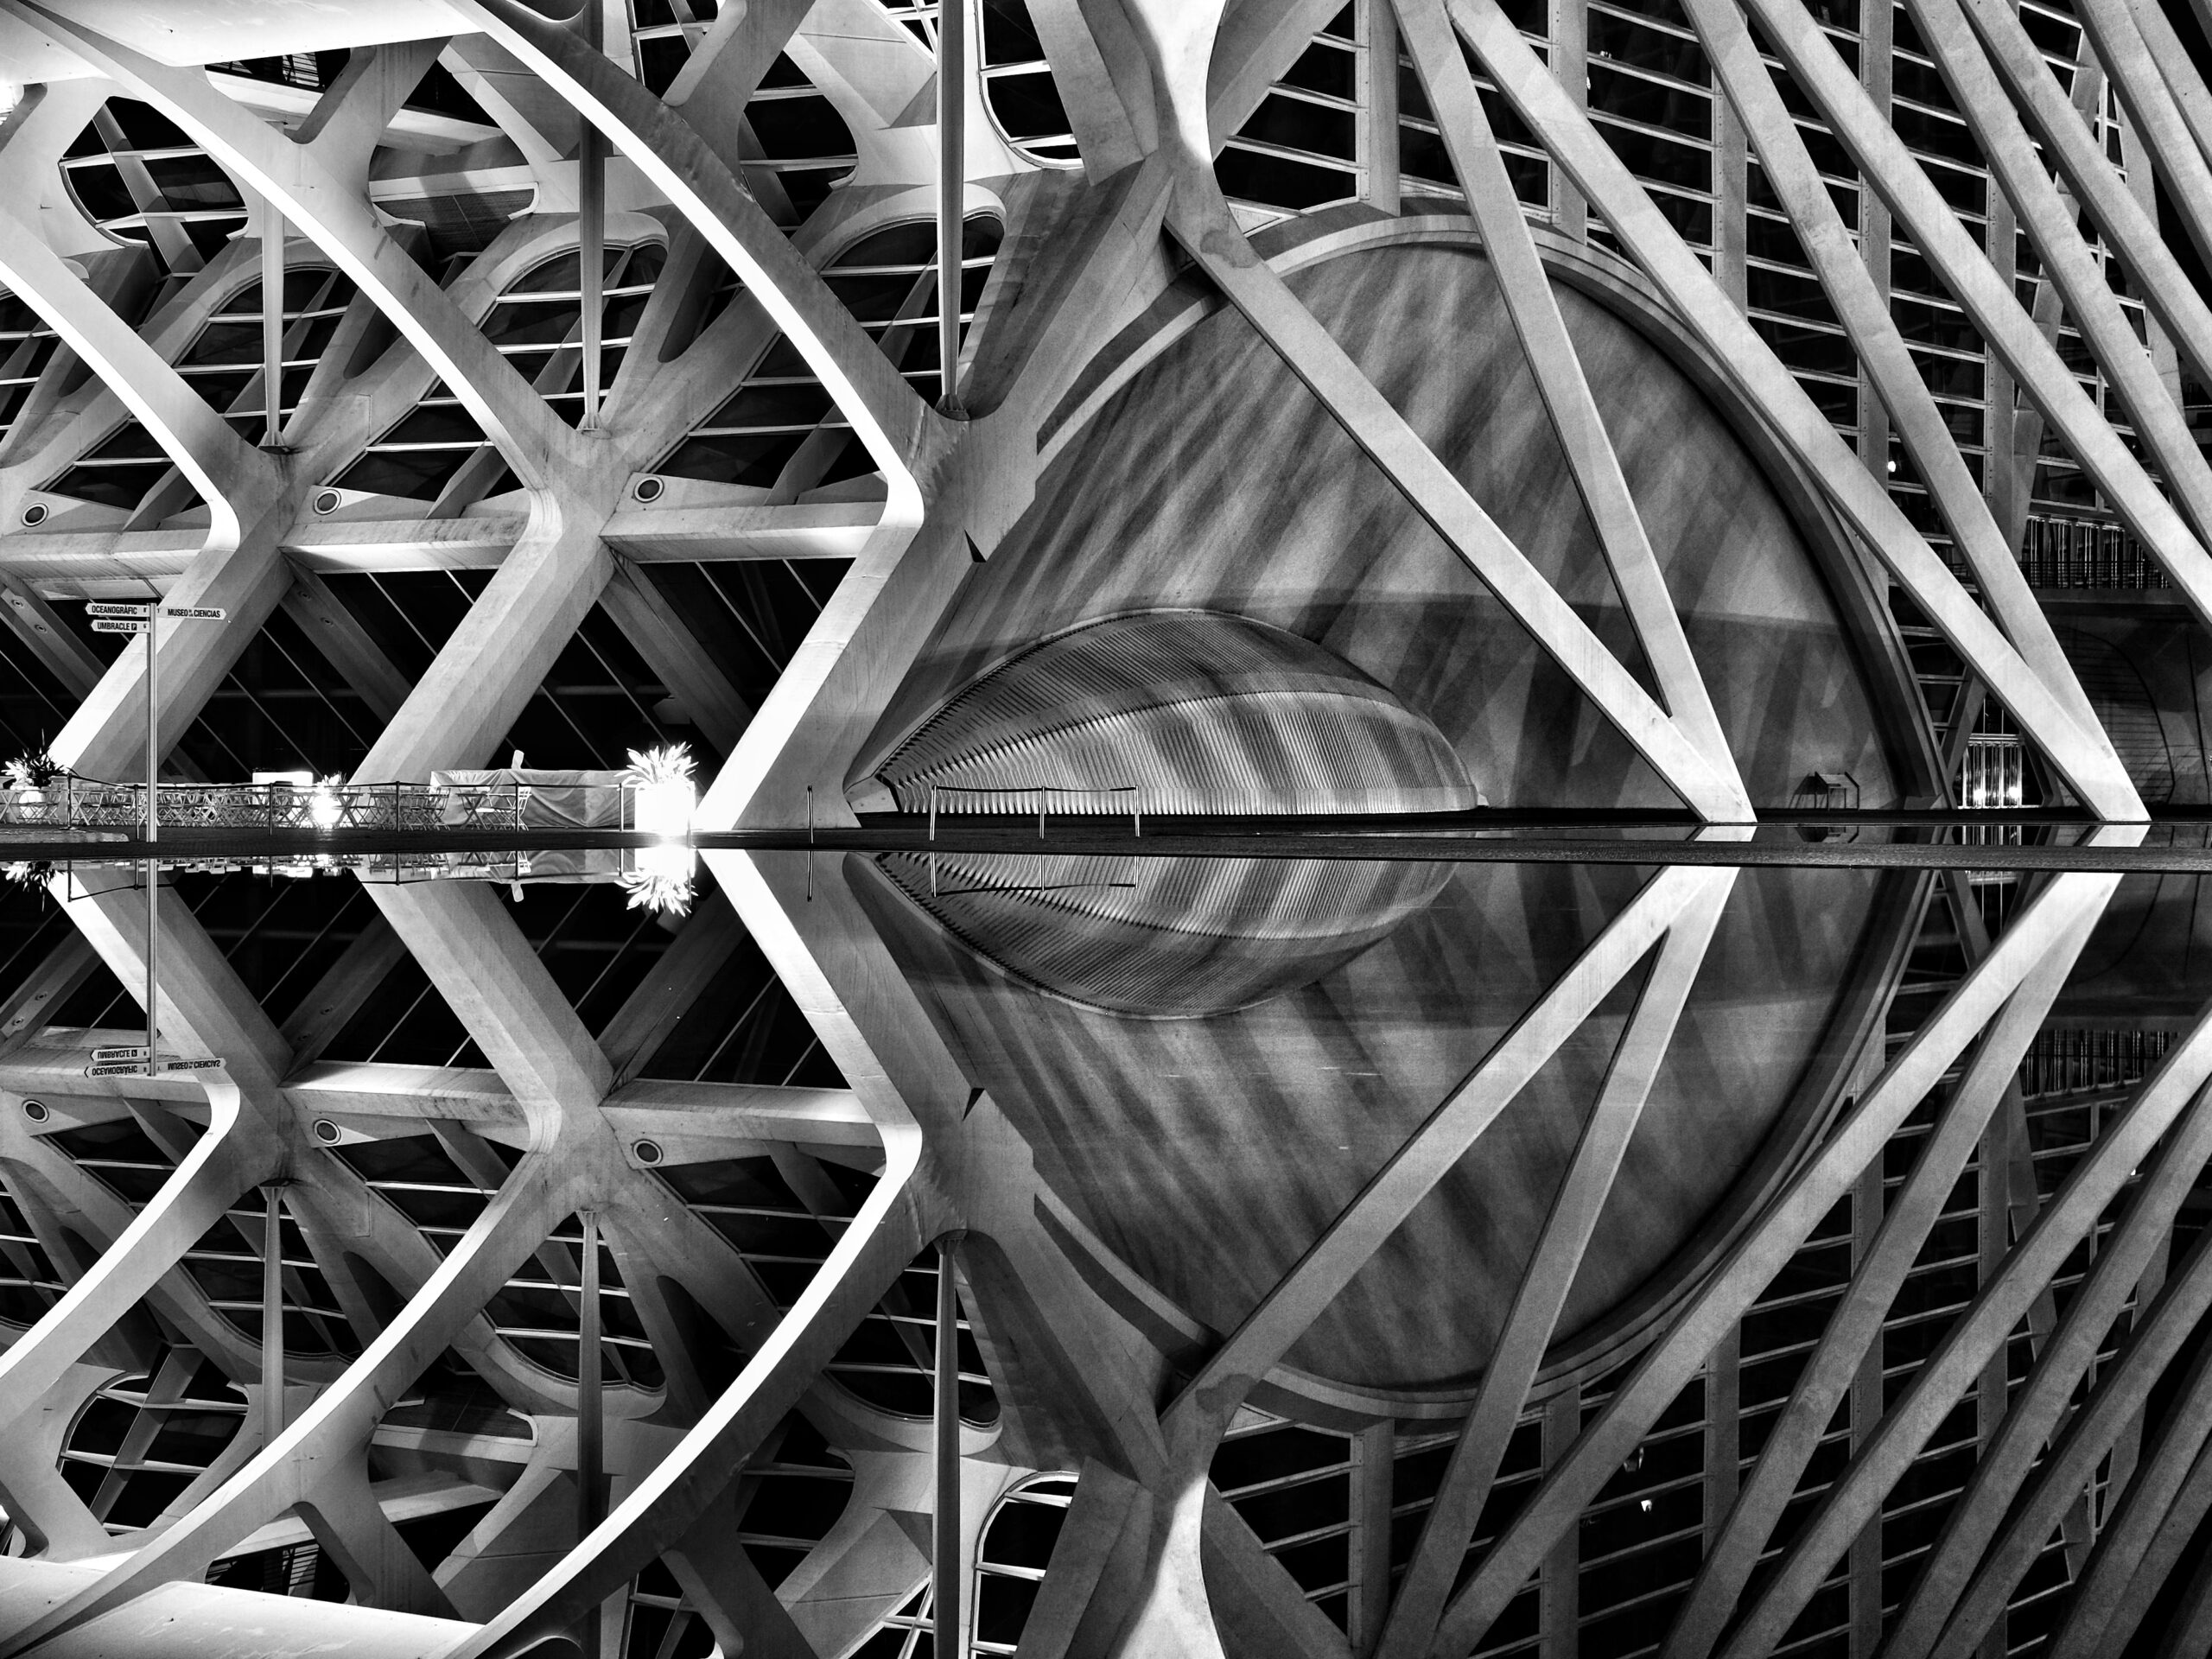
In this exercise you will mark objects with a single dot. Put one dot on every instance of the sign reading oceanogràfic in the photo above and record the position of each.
(137, 1068)
(97, 608)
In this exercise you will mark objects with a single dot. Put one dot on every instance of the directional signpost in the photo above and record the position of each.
(138, 617)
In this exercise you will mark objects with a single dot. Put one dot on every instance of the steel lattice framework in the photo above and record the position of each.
(727, 1352)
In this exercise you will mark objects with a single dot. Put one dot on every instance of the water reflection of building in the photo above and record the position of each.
(1727, 1278)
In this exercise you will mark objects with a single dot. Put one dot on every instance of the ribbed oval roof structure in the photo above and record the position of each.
(1177, 711)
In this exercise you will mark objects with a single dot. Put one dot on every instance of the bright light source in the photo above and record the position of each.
(324, 807)
(663, 795)
(663, 799)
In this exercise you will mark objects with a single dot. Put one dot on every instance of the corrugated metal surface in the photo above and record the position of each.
(1169, 937)
(1177, 711)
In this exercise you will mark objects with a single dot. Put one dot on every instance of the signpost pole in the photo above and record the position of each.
(136, 618)
(153, 834)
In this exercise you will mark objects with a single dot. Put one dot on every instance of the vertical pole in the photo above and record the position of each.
(951, 186)
(1877, 26)
(1865, 1409)
(272, 1315)
(1993, 1235)
(1373, 1453)
(945, 1532)
(1570, 20)
(1723, 1430)
(272, 323)
(153, 833)
(591, 227)
(1731, 193)
(1380, 134)
(590, 1456)
(1558, 1580)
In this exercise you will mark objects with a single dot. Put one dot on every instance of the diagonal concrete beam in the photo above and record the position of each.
(1980, 1332)
(543, 1188)
(890, 1228)
(1428, 1154)
(221, 1166)
(326, 208)
(2082, 753)
(900, 433)
(1761, 1253)
(1549, 1276)
(1427, 31)
(1855, 1327)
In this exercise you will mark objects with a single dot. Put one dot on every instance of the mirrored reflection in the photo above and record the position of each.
(464, 823)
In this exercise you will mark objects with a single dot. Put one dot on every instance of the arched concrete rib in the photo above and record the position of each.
(222, 1164)
(238, 565)
(98, 1215)
(234, 480)
(897, 1219)
(545, 1187)
(902, 435)
(340, 220)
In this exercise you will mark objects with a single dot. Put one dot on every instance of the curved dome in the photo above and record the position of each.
(1166, 938)
(1176, 711)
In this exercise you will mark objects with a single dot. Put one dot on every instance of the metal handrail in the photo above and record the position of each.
(1040, 791)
